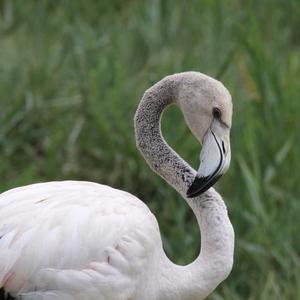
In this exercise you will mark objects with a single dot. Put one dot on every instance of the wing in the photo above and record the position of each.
(73, 240)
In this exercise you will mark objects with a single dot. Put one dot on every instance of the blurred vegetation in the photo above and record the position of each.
(72, 74)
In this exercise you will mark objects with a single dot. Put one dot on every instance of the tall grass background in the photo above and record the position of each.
(72, 74)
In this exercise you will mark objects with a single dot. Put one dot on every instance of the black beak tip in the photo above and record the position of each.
(201, 185)
(197, 187)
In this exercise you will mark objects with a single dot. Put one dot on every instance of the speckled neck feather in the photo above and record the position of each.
(158, 154)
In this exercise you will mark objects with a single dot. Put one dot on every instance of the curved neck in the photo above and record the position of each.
(158, 154)
(198, 279)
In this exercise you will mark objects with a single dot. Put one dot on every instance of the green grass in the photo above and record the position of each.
(71, 76)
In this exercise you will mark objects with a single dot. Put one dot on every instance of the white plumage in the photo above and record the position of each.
(74, 240)
(73, 237)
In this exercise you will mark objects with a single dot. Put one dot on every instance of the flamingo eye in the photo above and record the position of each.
(216, 113)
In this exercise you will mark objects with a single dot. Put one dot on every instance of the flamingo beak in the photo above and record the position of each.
(214, 161)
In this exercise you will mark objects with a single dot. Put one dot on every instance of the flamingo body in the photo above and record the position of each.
(74, 240)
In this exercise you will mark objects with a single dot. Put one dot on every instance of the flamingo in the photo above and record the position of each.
(77, 240)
